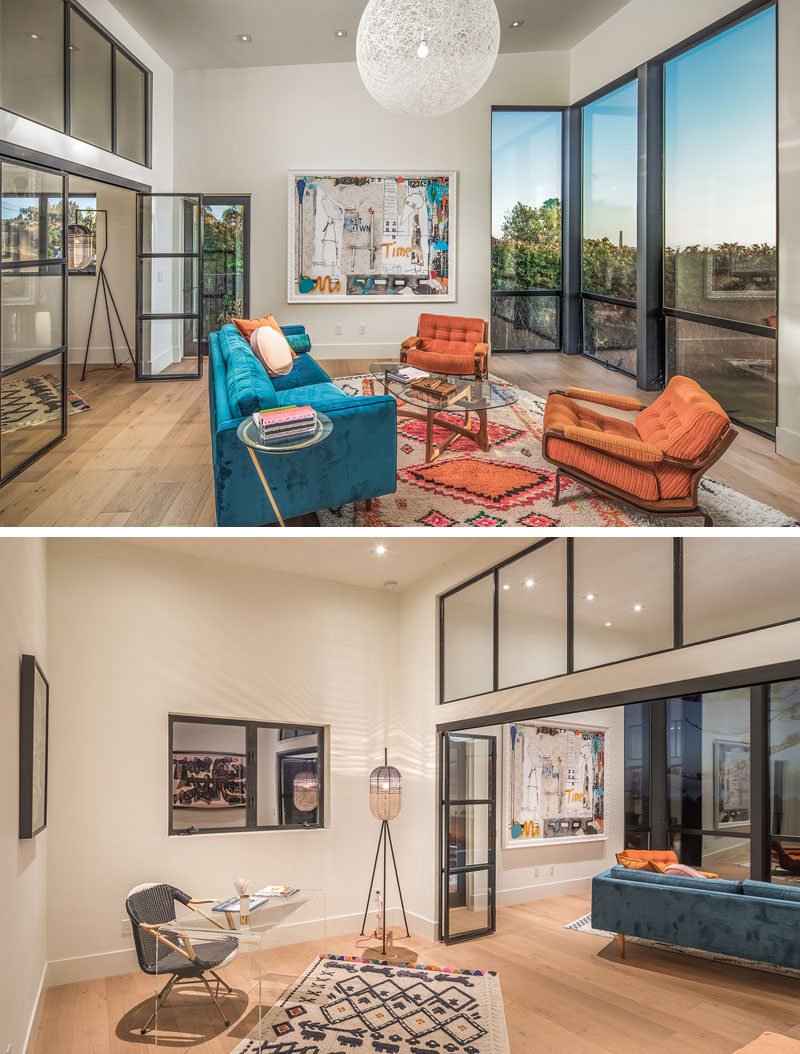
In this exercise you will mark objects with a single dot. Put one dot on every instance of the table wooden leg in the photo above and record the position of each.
(483, 431)
(429, 445)
(266, 486)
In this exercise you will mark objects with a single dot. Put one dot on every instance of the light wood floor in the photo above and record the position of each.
(141, 457)
(564, 993)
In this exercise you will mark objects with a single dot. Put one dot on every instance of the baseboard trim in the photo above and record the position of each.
(36, 1015)
(542, 891)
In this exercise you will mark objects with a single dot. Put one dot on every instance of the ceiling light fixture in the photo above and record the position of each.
(608, 624)
(340, 33)
(420, 64)
(529, 583)
(590, 596)
(637, 607)
(391, 584)
(516, 25)
(245, 38)
(506, 586)
(33, 36)
(380, 549)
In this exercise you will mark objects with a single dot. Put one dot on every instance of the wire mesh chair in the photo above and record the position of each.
(152, 905)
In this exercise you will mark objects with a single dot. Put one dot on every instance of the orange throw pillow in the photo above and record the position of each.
(631, 864)
(247, 326)
(664, 856)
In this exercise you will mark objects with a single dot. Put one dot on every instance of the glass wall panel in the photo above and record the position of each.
(169, 224)
(32, 60)
(784, 780)
(130, 115)
(471, 762)
(225, 277)
(738, 369)
(32, 214)
(725, 857)
(623, 592)
(609, 334)
(469, 640)
(526, 323)
(532, 610)
(469, 835)
(90, 83)
(284, 754)
(31, 319)
(169, 286)
(610, 174)
(756, 583)
(31, 407)
(169, 345)
(469, 902)
(526, 222)
(637, 775)
(209, 775)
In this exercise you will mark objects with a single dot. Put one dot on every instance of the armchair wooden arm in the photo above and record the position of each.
(192, 905)
(197, 900)
(620, 446)
(409, 342)
(187, 951)
(617, 402)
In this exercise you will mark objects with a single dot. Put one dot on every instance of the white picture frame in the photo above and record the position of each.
(530, 837)
(339, 242)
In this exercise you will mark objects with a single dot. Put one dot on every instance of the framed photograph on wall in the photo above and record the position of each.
(553, 783)
(388, 237)
(731, 784)
(34, 713)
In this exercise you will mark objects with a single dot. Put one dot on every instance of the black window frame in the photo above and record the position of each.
(251, 749)
(678, 607)
(553, 294)
(71, 6)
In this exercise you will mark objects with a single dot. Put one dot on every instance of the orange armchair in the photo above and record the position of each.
(449, 344)
(654, 464)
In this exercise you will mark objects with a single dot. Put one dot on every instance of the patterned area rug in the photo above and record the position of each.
(34, 400)
(344, 1004)
(584, 925)
(511, 485)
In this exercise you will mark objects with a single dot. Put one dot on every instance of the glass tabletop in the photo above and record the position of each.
(248, 433)
(266, 916)
(469, 394)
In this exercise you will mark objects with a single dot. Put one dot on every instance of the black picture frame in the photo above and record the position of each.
(34, 732)
(290, 762)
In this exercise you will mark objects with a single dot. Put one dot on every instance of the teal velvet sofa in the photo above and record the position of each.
(358, 461)
(749, 920)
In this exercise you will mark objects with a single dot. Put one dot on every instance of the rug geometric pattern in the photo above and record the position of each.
(510, 485)
(338, 1006)
(35, 400)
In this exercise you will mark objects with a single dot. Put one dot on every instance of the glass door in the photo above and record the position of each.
(33, 315)
(226, 261)
(467, 892)
(169, 278)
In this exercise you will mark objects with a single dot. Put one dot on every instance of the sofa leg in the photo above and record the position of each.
(368, 504)
(557, 498)
(621, 939)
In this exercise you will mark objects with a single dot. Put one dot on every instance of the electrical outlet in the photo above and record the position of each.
(362, 328)
(125, 928)
(162, 275)
(338, 329)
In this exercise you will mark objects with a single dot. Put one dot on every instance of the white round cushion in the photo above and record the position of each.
(272, 348)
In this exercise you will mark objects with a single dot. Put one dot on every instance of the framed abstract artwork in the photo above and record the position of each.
(34, 713)
(553, 782)
(384, 236)
(731, 784)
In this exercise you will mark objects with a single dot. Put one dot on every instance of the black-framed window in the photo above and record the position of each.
(637, 776)
(60, 68)
(563, 605)
(527, 228)
(230, 775)
(609, 156)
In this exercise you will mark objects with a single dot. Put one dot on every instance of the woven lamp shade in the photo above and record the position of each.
(385, 792)
(305, 790)
(79, 247)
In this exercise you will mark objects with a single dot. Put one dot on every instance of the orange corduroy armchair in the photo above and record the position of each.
(654, 464)
(449, 344)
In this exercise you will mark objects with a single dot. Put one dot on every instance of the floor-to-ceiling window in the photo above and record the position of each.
(226, 265)
(720, 258)
(784, 781)
(526, 229)
(608, 247)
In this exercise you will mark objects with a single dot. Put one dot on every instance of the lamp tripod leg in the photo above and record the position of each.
(371, 883)
(397, 878)
(384, 829)
(91, 327)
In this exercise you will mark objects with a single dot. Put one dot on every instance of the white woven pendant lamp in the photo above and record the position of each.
(421, 58)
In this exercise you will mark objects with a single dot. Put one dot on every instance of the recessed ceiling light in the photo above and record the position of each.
(637, 607)
(391, 584)
(380, 549)
(33, 36)
(245, 38)
(608, 624)
(340, 33)
(517, 24)
(590, 596)
(506, 586)
(529, 583)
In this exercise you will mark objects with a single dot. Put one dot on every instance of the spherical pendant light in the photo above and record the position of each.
(385, 792)
(421, 58)
(305, 790)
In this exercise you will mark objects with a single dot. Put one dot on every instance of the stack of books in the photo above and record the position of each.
(276, 891)
(286, 424)
(406, 374)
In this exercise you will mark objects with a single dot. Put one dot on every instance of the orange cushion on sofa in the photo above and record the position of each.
(662, 856)
(247, 326)
(631, 864)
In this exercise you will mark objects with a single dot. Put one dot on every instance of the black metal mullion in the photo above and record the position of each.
(760, 849)
(113, 99)
(677, 592)
(570, 586)
(67, 70)
(719, 322)
(444, 876)
(251, 748)
(572, 312)
(658, 773)
(496, 630)
(650, 360)
(604, 298)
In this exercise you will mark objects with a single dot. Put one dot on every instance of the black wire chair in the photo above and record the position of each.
(151, 906)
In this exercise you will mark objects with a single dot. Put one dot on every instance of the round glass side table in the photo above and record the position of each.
(248, 434)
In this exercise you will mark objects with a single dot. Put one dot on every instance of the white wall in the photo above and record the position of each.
(321, 116)
(636, 34)
(23, 876)
(22, 132)
(160, 634)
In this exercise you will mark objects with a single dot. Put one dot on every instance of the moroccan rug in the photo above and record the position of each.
(35, 400)
(511, 485)
(584, 925)
(345, 1003)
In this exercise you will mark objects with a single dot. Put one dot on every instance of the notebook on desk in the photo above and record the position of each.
(232, 903)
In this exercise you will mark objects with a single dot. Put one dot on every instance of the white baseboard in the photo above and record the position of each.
(36, 1014)
(542, 891)
(123, 960)
(100, 355)
(787, 444)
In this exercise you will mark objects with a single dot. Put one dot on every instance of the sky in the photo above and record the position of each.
(720, 142)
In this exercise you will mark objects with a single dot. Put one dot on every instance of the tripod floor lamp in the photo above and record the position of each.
(385, 800)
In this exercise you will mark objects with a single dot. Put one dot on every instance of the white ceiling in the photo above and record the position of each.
(351, 561)
(202, 34)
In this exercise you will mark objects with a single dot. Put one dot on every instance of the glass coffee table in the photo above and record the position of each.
(470, 397)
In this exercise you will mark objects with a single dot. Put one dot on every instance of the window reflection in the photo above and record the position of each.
(469, 640)
(532, 608)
